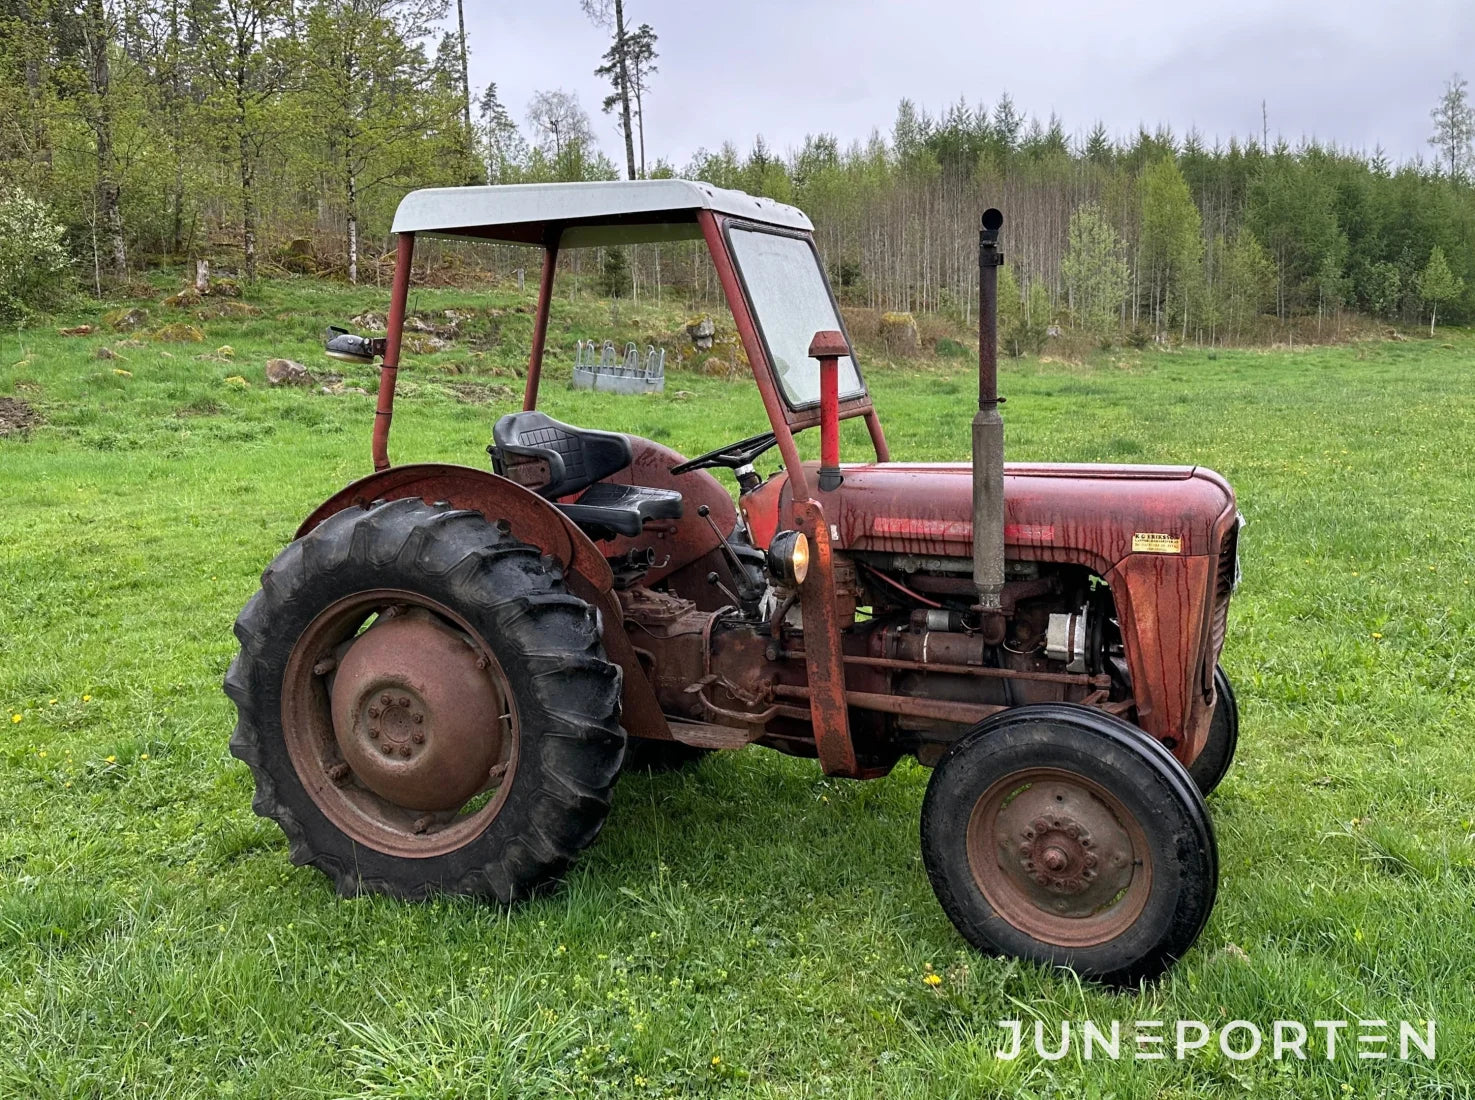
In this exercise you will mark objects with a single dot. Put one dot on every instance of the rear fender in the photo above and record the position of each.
(533, 521)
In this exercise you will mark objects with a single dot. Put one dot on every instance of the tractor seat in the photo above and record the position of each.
(557, 460)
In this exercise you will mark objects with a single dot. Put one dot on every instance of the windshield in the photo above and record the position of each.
(792, 303)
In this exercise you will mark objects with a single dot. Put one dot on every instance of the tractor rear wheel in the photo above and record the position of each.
(1212, 763)
(424, 707)
(1059, 834)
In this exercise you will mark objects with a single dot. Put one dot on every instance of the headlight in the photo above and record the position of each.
(788, 557)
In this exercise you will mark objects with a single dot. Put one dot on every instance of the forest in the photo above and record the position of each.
(276, 136)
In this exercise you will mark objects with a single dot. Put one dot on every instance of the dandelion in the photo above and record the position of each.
(15, 717)
(933, 980)
(86, 698)
(112, 759)
(716, 1059)
(1376, 634)
(51, 703)
(143, 756)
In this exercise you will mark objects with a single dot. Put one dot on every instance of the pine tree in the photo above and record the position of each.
(1454, 126)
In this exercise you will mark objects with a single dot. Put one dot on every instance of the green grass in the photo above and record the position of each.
(748, 927)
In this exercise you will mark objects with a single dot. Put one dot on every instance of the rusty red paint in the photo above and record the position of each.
(540, 324)
(827, 347)
(404, 256)
(824, 664)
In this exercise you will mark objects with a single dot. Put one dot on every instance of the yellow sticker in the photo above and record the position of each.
(1152, 542)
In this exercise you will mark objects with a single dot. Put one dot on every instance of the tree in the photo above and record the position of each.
(1248, 282)
(97, 29)
(1171, 241)
(503, 149)
(634, 57)
(1454, 126)
(566, 133)
(610, 14)
(1437, 284)
(1094, 269)
(372, 101)
(246, 76)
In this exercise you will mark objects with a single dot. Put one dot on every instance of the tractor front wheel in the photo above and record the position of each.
(1059, 834)
(424, 707)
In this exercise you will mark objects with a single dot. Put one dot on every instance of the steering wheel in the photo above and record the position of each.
(733, 456)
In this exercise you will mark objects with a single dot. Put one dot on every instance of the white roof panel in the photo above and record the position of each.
(621, 210)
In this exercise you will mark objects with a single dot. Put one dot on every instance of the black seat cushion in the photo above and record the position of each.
(554, 459)
(622, 509)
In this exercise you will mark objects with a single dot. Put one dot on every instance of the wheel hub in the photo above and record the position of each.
(417, 716)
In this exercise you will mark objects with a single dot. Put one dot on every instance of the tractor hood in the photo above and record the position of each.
(1092, 514)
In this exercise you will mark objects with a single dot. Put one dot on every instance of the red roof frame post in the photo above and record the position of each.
(404, 257)
(540, 322)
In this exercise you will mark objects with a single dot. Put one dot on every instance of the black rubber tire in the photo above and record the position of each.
(1212, 764)
(1139, 772)
(567, 695)
(643, 754)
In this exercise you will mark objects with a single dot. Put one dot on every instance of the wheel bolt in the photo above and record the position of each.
(1042, 879)
(373, 731)
(1090, 860)
(386, 748)
(404, 700)
(386, 699)
(417, 718)
(337, 772)
(1073, 831)
(418, 737)
(481, 662)
(373, 712)
(405, 750)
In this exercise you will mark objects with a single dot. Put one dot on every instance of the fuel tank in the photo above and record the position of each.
(1094, 515)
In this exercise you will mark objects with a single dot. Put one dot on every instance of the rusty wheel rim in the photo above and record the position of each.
(1059, 857)
(400, 722)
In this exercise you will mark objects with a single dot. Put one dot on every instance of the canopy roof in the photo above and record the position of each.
(583, 214)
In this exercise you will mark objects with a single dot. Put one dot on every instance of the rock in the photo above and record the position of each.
(178, 333)
(185, 299)
(77, 330)
(286, 372)
(417, 343)
(1054, 330)
(701, 331)
(899, 331)
(104, 352)
(715, 366)
(370, 321)
(128, 343)
(126, 320)
(225, 288)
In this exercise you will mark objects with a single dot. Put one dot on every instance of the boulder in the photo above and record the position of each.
(899, 332)
(287, 372)
(178, 333)
(701, 330)
(77, 330)
(126, 320)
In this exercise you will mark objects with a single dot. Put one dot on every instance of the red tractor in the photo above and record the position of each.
(445, 672)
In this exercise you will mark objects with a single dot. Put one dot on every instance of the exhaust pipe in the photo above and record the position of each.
(988, 433)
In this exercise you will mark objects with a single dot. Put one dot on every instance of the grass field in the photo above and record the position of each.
(748, 927)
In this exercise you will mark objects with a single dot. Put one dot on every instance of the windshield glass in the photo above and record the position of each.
(792, 303)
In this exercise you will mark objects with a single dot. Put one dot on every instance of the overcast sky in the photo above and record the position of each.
(1356, 72)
